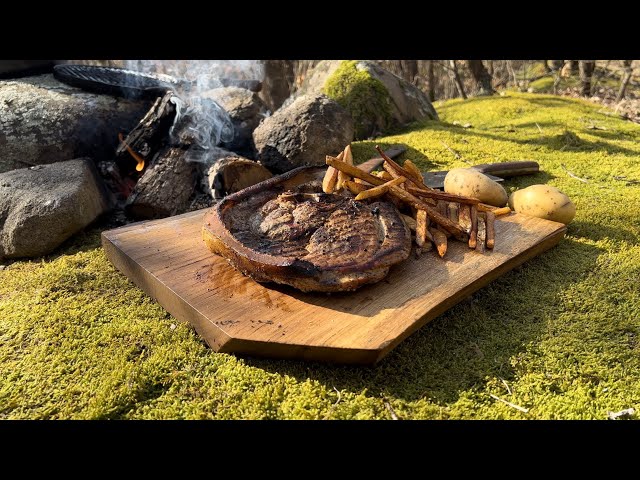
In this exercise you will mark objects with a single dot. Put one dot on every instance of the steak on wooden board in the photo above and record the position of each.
(286, 230)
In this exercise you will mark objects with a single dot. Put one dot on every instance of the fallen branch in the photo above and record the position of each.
(572, 175)
(512, 405)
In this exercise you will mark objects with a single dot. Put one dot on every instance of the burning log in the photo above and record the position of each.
(165, 186)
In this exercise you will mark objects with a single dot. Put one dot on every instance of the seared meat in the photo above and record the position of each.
(287, 231)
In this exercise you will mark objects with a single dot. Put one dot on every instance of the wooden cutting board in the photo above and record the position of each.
(169, 261)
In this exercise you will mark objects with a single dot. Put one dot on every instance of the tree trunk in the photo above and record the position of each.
(410, 69)
(431, 82)
(586, 72)
(456, 79)
(481, 77)
(278, 83)
(628, 71)
(574, 67)
(547, 68)
(556, 64)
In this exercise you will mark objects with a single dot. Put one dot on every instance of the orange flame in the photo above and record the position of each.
(138, 158)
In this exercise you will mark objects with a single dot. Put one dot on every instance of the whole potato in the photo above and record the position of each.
(543, 201)
(471, 183)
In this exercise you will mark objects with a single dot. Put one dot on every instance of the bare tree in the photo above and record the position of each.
(586, 72)
(456, 78)
(628, 71)
(574, 67)
(556, 64)
(431, 81)
(481, 77)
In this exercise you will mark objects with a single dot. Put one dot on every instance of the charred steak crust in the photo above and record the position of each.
(286, 230)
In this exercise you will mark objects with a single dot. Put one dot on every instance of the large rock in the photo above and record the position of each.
(303, 133)
(42, 206)
(376, 98)
(246, 110)
(45, 121)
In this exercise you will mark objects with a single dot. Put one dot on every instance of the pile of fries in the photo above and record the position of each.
(435, 216)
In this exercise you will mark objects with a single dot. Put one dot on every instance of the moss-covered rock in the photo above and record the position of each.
(377, 99)
(364, 96)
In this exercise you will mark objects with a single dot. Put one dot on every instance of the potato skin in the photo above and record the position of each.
(471, 183)
(543, 201)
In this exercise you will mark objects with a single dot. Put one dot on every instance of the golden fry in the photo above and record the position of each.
(440, 241)
(422, 224)
(491, 232)
(380, 190)
(355, 187)
(329, 180)
(414, 171)
(501, 211)
(473, 236)
(353, 171)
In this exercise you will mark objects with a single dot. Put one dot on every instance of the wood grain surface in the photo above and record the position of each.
(169, 261)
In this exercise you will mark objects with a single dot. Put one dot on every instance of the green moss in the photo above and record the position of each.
(542, 85)
(365, 97)
(559, 336)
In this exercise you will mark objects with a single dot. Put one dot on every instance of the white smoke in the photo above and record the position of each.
(199, 119)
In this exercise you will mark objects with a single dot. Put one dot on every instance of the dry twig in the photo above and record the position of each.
(512, 405)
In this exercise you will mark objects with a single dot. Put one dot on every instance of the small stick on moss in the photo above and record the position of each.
(455, 154)
(482, 232)
(512, 405)
(473, 235)
(491, 232)
(573, 175)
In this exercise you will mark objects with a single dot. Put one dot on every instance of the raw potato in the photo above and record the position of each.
(543, 201)
(471, 183)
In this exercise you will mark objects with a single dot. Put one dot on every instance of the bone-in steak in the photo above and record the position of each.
(286, 230)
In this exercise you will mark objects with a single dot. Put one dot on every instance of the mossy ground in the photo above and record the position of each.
(559, 336)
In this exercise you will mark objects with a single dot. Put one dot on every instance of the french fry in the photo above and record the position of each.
(440, 241)
(372, 192)
(473, 235)
(453, 212)
(353, 171)
(331, 177)
(347, 157)
(354, 187)
(414, 171)
(384, 176)
(380, 190)
(422, 224)
(464, 217)
(501, 211)
(497, 211)
(438, 195)
(455, 229)
(491, 232)
(482, 232)
(329, 180)
(409, 221)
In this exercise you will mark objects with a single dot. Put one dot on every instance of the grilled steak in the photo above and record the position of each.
(286, 230)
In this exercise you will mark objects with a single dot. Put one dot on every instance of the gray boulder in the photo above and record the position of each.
(246, 110)
(42, 206)
(45, 121)
(303, 133)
